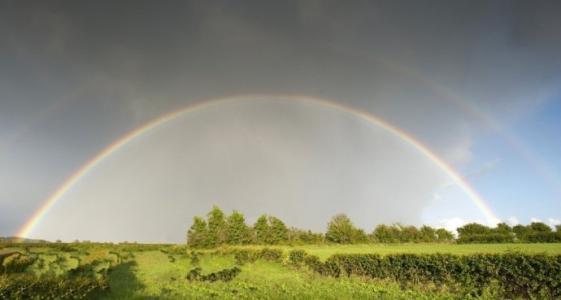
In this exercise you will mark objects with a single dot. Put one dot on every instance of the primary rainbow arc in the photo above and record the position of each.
(40, 213)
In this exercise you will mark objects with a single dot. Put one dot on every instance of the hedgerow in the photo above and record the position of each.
(243, 256)
(223, 275)
(516, 275)
(28, 286)
(15, 262)
(296, 257)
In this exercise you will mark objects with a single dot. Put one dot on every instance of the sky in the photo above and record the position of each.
(476, 82)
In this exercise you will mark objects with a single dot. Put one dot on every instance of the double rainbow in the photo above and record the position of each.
(27, 229)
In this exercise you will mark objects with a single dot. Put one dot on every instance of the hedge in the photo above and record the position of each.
(27, 286)
(243, 256)
(516, 275)
(15, 262)
(223, 275)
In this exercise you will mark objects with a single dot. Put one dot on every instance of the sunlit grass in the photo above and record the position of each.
(154, 274)
(324, 251)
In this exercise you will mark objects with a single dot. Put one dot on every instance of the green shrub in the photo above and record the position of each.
(15, 262)
(243, 256)
(313, 263)
(270, 254)
(296, 257)
(222, 275)
(515, 275)
(26, 286)
(195, 258)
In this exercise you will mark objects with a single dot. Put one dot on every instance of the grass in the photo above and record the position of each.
(157, 275)
(324, 251)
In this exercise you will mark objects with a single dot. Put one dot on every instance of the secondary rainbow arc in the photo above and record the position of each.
(27, 229)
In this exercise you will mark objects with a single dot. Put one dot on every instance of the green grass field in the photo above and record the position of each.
(324, 251)
(155, 274)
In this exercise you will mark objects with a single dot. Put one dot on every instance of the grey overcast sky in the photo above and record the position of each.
(476, 81)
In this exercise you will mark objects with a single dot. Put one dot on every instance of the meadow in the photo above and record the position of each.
(136, 271)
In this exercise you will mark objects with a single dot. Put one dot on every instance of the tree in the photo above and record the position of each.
(278, 232)
(539, 232)
(503, 228)
(237, 232)
(443, 235)
(503, 233)
(521, 232)
(409, 234)
(473, 232)
(261, 230)
(385, 234)
(341, 230)
(216, 227)
(427, 234)
(197, 235)
(539, 227)
(359, 236)
(299, 236)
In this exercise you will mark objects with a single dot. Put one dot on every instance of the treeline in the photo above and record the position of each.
(219, 229)
(536, 232)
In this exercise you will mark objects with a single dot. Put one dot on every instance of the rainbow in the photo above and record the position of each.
(538, 165)
(43, 210)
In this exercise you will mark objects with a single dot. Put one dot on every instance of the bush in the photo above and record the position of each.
(313, 263)
(243, 256)
(270, 254)
(80, 283)
(15, 262)
(223, 275)
(296, 257)
(195, 258)
(516, 275)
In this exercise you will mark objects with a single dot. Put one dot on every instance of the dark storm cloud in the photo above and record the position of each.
(75, 75)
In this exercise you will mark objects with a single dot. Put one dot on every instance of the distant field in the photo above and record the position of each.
(150, 272)
(324, 251)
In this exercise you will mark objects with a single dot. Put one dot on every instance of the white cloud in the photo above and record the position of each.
(535, 220)
(513, 221)
(553, 222)
(452, 224)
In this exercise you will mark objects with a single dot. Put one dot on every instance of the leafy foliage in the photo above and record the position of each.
(237, 232)
(517, 275)
(216, 222)
(197, 235)
(222, 275)
(296, 257)
(398, 233)
(342, 231)
(536, 232)
(15, 262)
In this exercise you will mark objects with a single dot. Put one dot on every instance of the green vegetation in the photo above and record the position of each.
(227, 259)
(220, 230)
(535, 232)
(330, 271)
